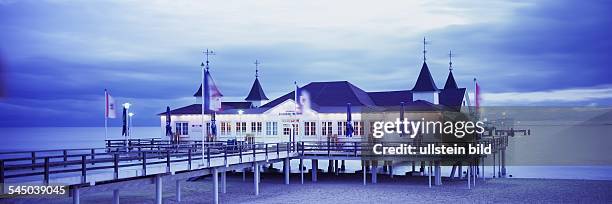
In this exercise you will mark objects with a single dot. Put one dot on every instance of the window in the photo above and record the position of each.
(226, 128)
(326, 128)
(310, 128)
(256, 128)
(341, 128)
(182, 128)
(296, 129)
(371, 132)
(241, 128)
(358, 128)
(286, 130)
(271, 128)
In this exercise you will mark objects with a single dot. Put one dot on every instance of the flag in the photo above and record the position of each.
(477, 94)
(168, 122)
(213, 125)
(124, 131)
(349, 125)
(110, 106)
(212, 95)
(402, 110)
(302, 98)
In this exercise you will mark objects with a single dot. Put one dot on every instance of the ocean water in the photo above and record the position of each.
(596, 168)
(43, 138)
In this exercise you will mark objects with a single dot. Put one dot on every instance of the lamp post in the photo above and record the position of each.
(240, 112)
(130, 115)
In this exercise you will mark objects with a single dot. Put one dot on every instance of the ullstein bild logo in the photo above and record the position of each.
(412, 128)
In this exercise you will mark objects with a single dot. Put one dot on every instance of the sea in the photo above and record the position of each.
(48, 138)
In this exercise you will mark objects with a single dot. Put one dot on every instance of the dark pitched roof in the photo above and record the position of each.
(450, 81)
(198, 93)
(235, 105)
(256, 93)
(390, 98)
(425, 82)
(335, 93)
(452, 98)
(190, 109)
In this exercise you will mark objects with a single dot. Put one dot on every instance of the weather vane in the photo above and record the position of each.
(424, 49)
(257, 68)
(450, 60)
(208, 53)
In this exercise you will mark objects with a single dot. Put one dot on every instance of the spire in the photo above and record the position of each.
(208, 53)
(450, 80)
(425, 82)
(424, 50)
(257, 68)
(256, 93)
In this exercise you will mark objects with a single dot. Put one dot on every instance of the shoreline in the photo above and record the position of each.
(348, 188)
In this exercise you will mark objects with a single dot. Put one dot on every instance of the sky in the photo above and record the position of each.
(57, 57)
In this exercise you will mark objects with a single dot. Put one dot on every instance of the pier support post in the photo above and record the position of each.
(391, 169)
(374, 171)
(438, 173)
(503, 163)
(223, 181)
(483, 168)
(116, 196)
(342, 166)
(363, 168)
(178, 190)
(422, 169)
(158, 189)
(302, 170)
(76, 198)
(256, 178)
(286, 167)
(494, 160)
(468, 176)
(413, 166)
(474, 167)
(215, 174)
(330, 167)
(315, 169)
(460, 174)
(336, 168)
(429, 174)
(244, 174)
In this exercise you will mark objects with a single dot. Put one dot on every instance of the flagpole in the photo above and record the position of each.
(106, 116)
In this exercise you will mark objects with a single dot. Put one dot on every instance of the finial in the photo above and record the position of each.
(257, 68)
(424, 49)
(208, 53)
(450, 60)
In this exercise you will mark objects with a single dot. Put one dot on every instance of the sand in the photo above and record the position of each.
(350, 189)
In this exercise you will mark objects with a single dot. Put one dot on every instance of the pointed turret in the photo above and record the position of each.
(450, 80)
(425, 82)
(256, 95)
(425, 88)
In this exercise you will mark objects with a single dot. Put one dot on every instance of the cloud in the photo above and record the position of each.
(58, 54)
(551, 97)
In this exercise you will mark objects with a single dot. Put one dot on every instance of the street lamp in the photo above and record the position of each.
(240, 112)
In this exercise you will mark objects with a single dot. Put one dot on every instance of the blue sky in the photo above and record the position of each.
(57, 57)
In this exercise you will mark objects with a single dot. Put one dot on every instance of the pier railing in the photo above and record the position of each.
(42, 167)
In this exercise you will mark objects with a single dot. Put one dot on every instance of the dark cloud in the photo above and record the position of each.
(56, 76)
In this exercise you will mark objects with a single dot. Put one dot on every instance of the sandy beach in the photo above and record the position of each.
(349, 188)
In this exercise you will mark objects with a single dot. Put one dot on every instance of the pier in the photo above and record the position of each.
(124, 164)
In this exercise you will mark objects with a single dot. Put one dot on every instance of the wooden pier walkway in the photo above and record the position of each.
(123, 164)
